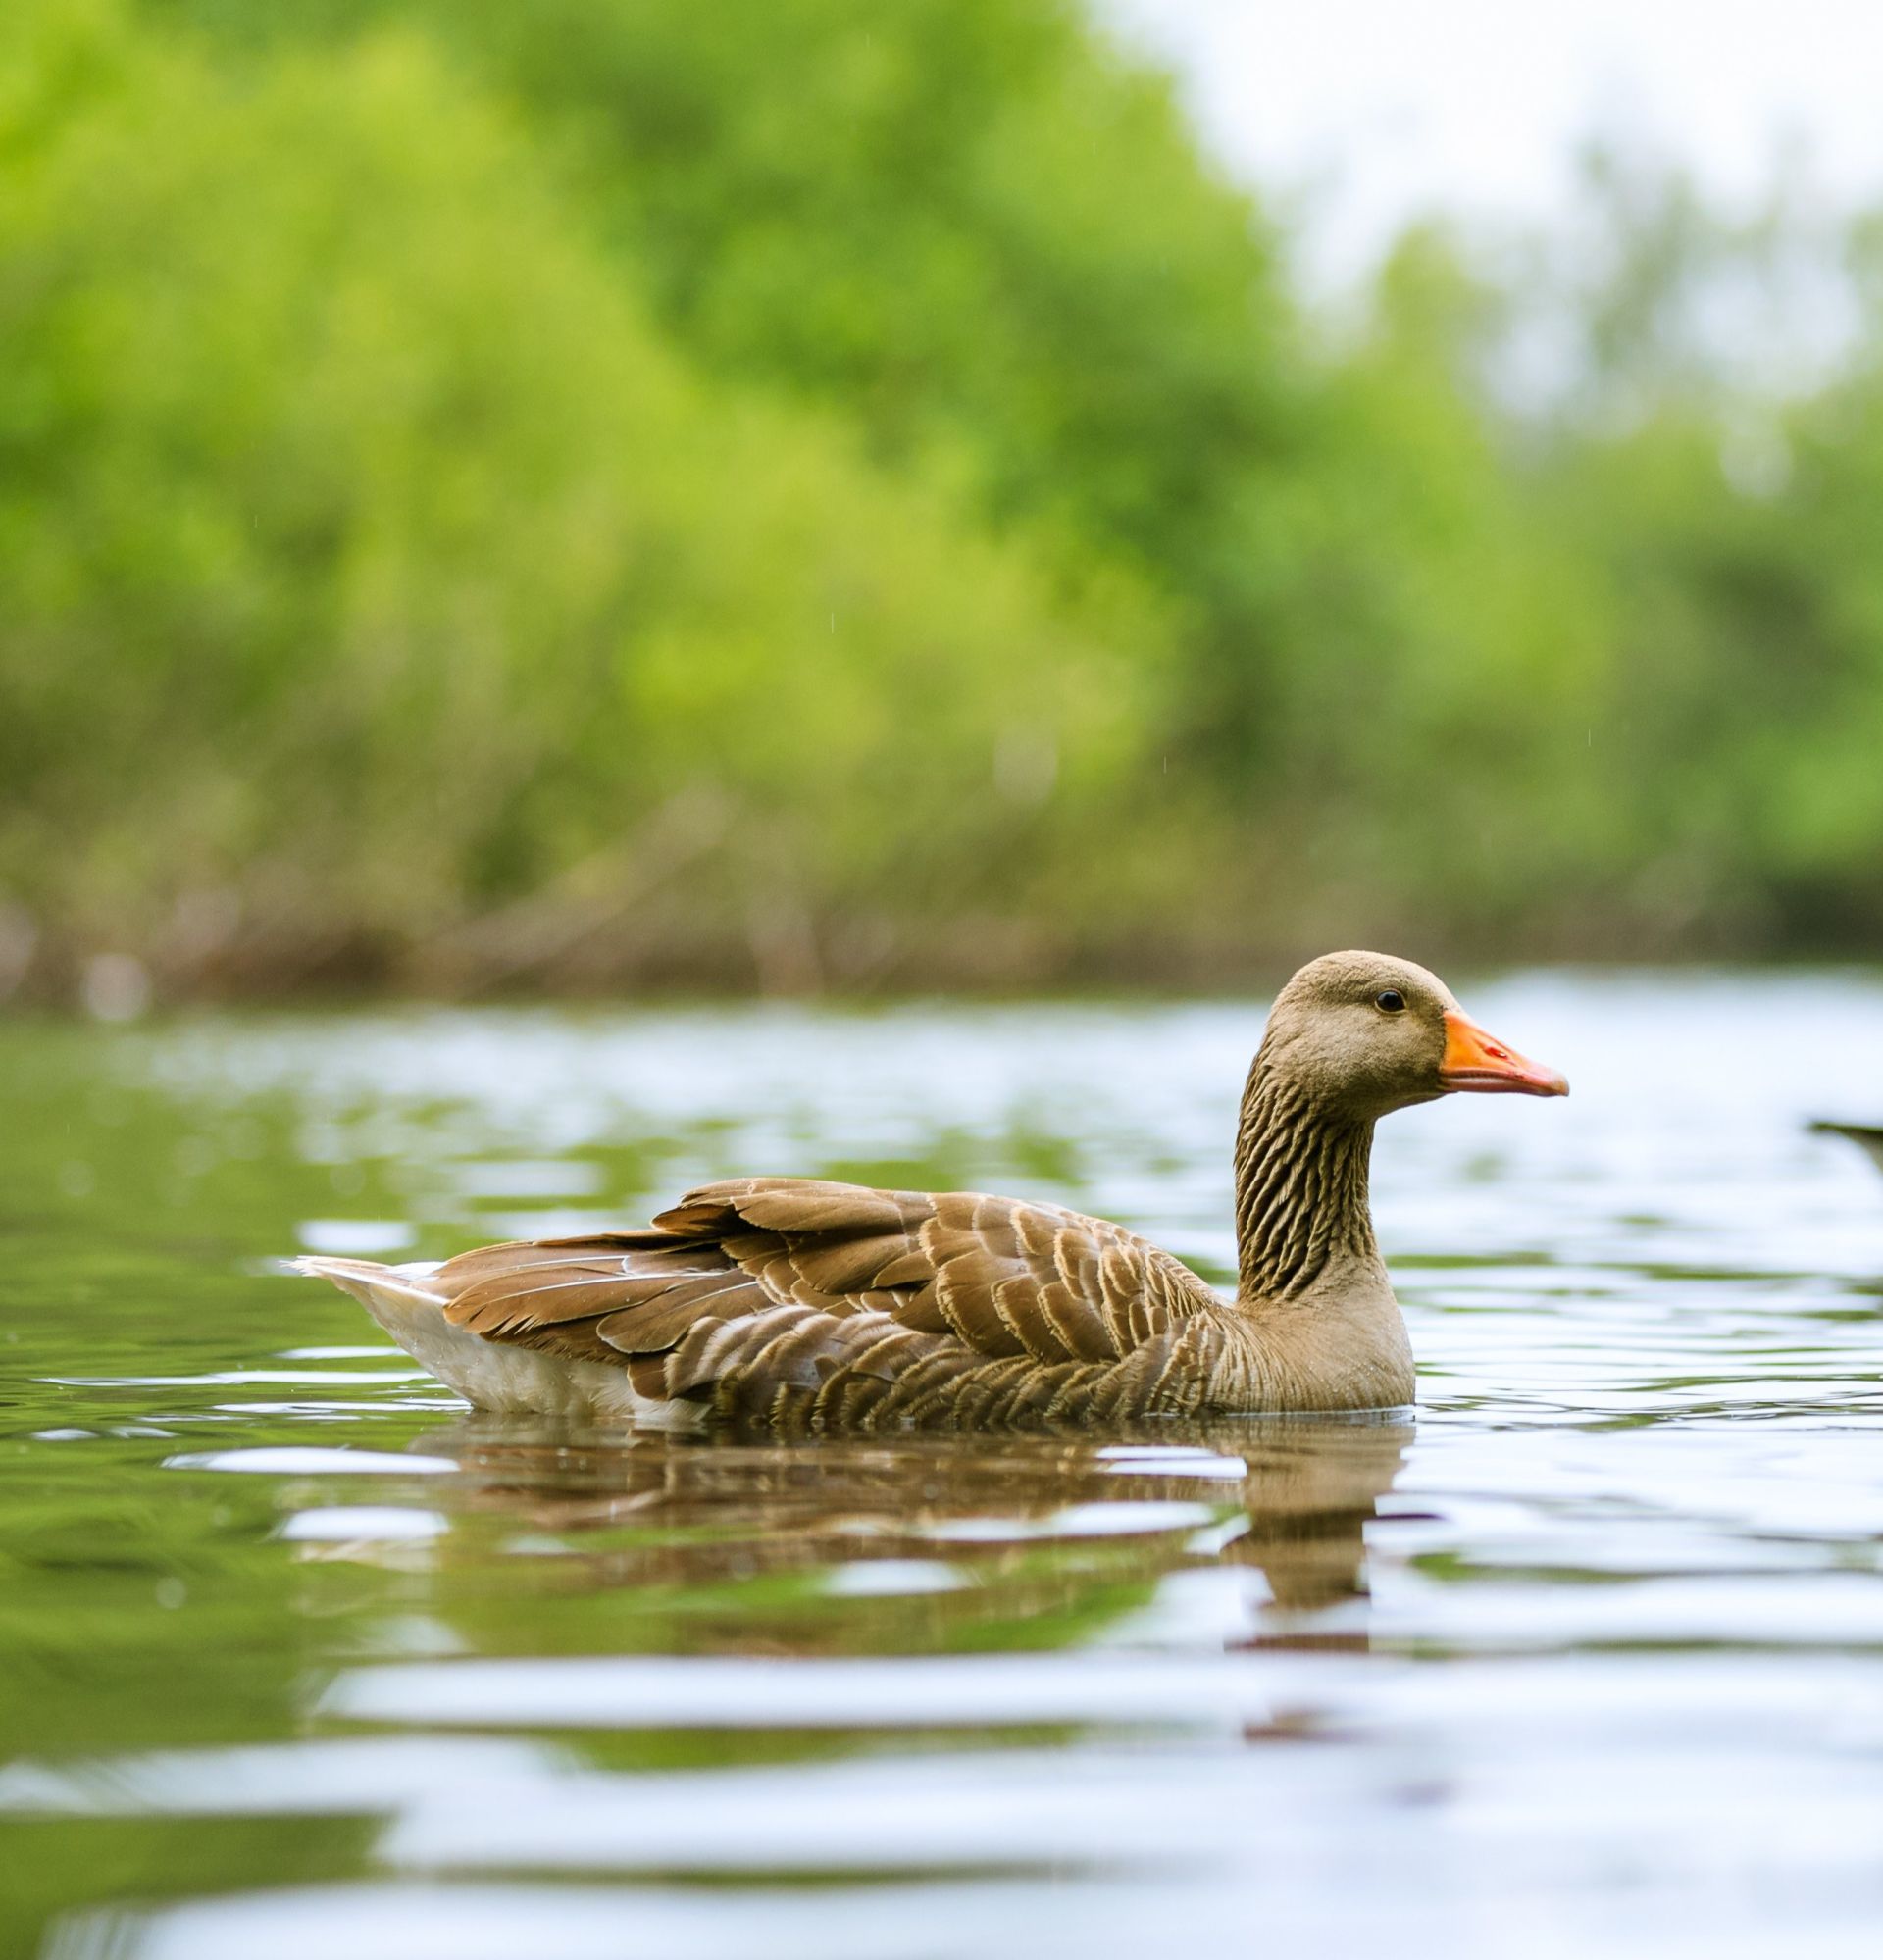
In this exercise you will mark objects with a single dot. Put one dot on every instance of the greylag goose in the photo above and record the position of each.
(808, 1304)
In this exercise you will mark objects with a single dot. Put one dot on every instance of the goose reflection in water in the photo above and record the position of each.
(725, 1544)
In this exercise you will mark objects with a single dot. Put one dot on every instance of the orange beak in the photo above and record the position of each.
(1477, 1063)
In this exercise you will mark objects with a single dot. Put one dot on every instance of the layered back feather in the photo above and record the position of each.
(806, 1303)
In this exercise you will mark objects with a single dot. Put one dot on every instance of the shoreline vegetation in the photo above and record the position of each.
(572, 960)
(555, 501)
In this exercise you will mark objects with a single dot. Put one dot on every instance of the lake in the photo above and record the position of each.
(301, 1658)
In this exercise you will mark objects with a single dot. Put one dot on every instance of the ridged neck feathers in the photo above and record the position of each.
(1300, 1187)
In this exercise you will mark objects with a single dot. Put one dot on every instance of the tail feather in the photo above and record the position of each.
(365, 1277)
(494, 1375)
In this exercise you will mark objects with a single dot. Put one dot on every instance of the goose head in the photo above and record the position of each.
(1360, 1035)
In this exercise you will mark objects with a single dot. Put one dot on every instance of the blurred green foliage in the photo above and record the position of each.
(614, 490)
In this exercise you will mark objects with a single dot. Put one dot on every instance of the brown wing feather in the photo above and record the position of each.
(811, 1301)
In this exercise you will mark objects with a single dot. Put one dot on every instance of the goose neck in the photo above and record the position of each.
(1300, 1189)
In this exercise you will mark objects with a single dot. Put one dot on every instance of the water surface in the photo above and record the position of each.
(300, 1657)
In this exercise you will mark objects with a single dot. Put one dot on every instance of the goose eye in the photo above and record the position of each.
(1391, 1001)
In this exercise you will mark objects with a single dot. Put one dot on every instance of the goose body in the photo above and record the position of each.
(808, 1304)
